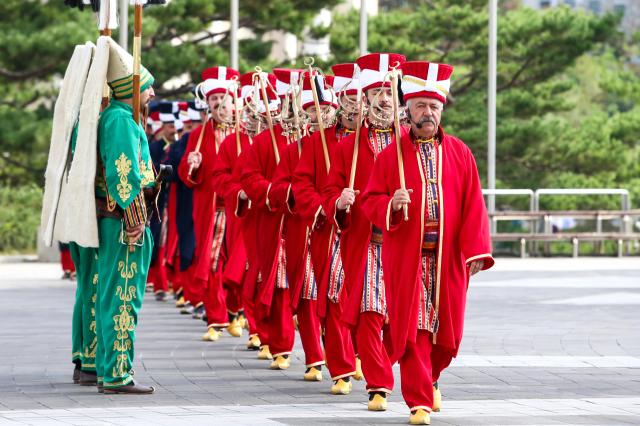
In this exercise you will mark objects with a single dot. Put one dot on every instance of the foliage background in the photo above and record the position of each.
(568, 86)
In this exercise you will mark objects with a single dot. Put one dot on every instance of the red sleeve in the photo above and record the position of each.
(183, 168)
(474, 237)
(337, 180)
(280, 197)
(253, 181)
(308, 198)
(376, 199)
(221, 174)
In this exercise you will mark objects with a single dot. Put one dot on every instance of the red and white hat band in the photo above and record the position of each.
(220, 84)
(282, 87)
(345, 84)
(414, 85)
(370, 77)
(327, 97)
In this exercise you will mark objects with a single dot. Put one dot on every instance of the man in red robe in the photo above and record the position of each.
(359, 275)
(204, 290)
(271, 296)
(428, 257)
(301, 274)
(308, 182)
(241, 270)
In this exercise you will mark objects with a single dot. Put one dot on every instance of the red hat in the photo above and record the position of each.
(325, 96)
(285, 78)
(346, 78)
(217, 80)
(251, 88)
(426, 79)
(375, 66)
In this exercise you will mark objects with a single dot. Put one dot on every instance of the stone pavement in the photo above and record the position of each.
(547, 341)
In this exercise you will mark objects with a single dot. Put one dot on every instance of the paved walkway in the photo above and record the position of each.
(547, 341)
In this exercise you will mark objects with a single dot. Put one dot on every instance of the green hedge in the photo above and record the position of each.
(19, 218)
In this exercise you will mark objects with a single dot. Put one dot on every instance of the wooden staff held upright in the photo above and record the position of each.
(265, 100)
(312, 79)
(398, 132)
(356, 145)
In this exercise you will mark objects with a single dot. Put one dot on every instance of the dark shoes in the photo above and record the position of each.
(131, 388)
(87, 379)
(161, 296)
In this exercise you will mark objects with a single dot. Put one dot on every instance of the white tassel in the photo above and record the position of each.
(108, 15)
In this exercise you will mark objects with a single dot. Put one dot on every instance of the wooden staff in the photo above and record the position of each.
(296, 118)
(237, 115)
(309, 62)
(106, 31)
(265, 100)
(137, 48)
(396, 119)
(199, 143)
(356, 146)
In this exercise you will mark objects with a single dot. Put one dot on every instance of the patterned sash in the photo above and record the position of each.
(309, 285)
(281, 271)
(217, 246)
(373, 292)
(336, 271)
(427, 315)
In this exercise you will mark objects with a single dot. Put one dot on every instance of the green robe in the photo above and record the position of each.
(124, 154)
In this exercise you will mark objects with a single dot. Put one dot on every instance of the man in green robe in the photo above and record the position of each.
(125, 174)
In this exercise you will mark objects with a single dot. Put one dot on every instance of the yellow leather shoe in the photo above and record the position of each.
(253, 343)
(234, 328)
(180, 302)
(420, 417)
(313, 374)
(358, 376)
(377, 403)
(211, 335)
(341, 387)
(264, 353)
(437, 398)
(242, 320)
(280, 363)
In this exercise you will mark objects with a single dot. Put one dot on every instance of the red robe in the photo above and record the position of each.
(257, 174)
(463, 238)
(225, 178)
(296, 227)
(308, 182)
(203, 194)
(354, 226)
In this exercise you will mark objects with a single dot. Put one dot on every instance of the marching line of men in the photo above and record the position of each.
(288, 209)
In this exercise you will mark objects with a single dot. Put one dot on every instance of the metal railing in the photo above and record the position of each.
(541, 222)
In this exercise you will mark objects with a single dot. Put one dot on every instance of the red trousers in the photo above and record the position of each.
(215, 304)
(309, 329)
(257, 324)
(65, 261)
(341, 359)
(234, 299)
(158, 273)
(282, 331)
(193, 289)
(420, 366)
(376, 366)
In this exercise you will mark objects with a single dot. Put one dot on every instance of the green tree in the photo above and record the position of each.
(552, 129)
(37, 39)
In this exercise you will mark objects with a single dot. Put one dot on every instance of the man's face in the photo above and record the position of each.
(221, 106)
(328, 114)
(145, 96)
(169, 130)
(350, 119)
(425, 115)
(380, 97)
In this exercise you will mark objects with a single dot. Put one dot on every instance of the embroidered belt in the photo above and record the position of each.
(430, 236)
(376, 235)
(103, 211)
